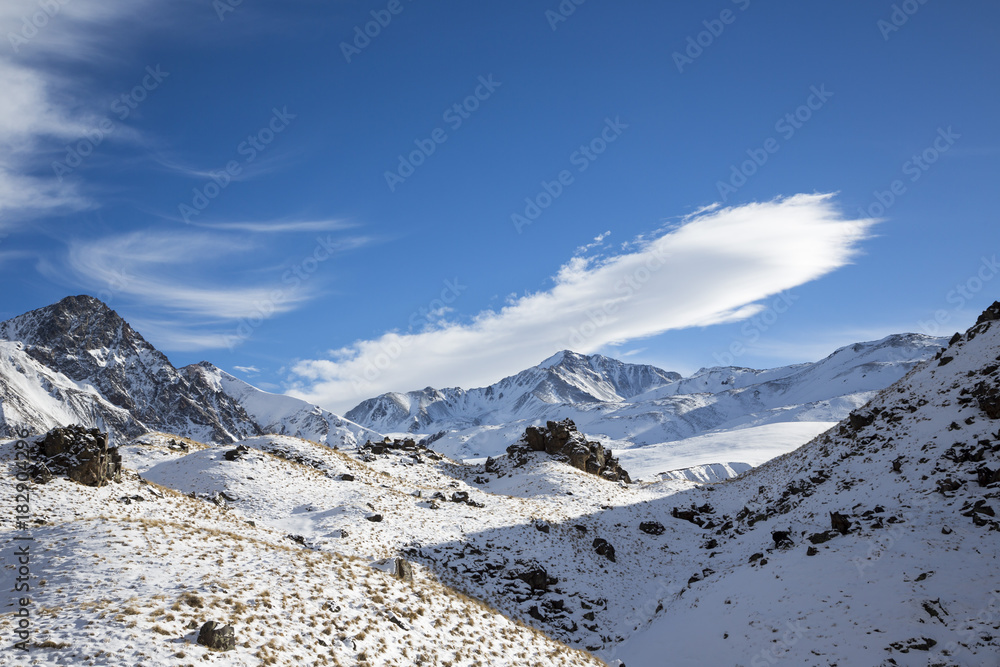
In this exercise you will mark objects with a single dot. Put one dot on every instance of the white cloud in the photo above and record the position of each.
(279, 226)
(713, 268)
(249, 370)
(160, 268)
(38, 112)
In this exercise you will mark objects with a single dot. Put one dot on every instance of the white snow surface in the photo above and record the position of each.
(912, 582)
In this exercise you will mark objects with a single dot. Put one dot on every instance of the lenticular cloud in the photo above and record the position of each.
(715, 267)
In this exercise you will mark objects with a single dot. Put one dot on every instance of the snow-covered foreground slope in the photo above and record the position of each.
(746, 447)
(127, 573)
(914, 579)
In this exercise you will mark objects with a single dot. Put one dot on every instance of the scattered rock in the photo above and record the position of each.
(374, 518)
(840, 522)
(604, 548)
(218, 638)
(542, 526)
(40, 473)
(404, 570)
(915, 644)
(987, 476)
(652, 527)
(536, 577)
(812, 551)
(347, 477)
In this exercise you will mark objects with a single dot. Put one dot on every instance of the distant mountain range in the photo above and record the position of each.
(78, 361)
(643, 405)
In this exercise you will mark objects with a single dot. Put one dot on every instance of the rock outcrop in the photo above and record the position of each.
(561, 440)
(81, 454)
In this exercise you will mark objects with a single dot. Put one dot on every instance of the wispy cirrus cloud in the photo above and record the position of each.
(177, 272)
(279, 226)
(715, 267)
(39, 113)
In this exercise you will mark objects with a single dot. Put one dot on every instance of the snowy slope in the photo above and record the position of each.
(914, 580)
(532, 541)
(285, 415)
(127, 573)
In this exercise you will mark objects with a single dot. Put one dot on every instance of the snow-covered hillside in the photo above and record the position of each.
(873, 544)
(126, 574)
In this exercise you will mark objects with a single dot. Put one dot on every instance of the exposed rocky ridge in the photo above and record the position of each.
(89, 343)
(79, 361)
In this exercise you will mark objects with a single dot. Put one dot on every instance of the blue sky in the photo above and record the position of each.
(471, 187)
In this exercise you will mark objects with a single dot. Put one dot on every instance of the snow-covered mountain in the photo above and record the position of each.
(564, 378)
(873, 544)
(78, 361)
(640, 408)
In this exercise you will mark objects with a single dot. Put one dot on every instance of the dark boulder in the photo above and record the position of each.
(782, 538)
(652, 527)
(218, 638)
(604, 548)
(840, 522)
(236, 454)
